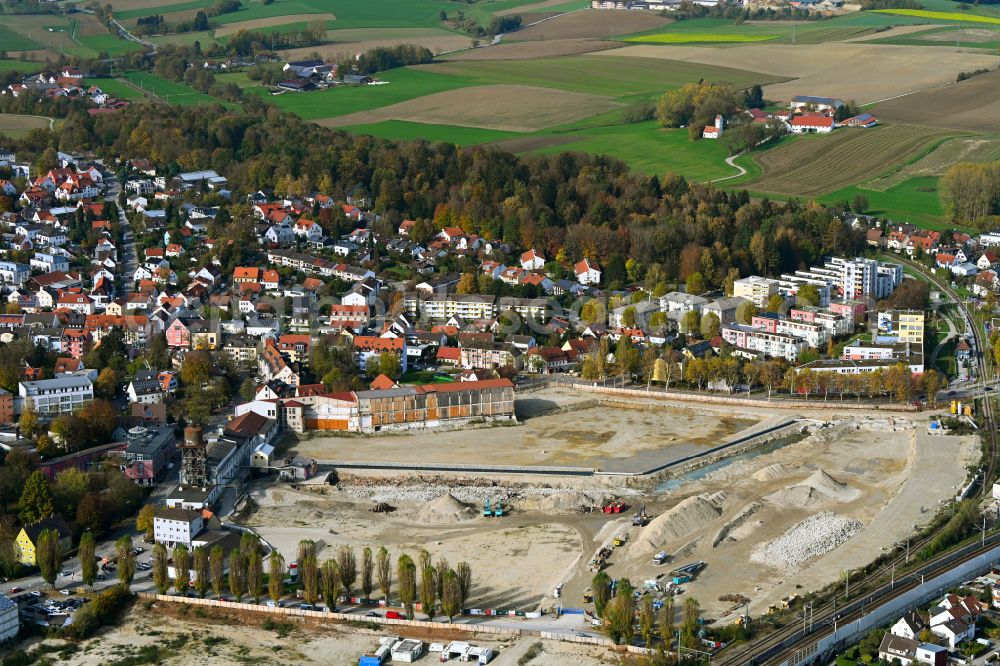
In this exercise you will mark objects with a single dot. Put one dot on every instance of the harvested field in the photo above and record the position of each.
(137, 5)
(606, 76)
(358, 40)
(502, 107)
(271, 22)
(820, 69)
(533, 8)
(698, 37)
(532, 50)
(971, 105)
(817, 164)
(953, 151)
(17, 126)
(589, 23)
(896, 31)
(965, 35)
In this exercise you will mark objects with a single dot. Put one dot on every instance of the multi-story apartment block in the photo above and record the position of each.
(758, 290)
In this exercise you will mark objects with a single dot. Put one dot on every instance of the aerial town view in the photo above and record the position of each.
(516, 332)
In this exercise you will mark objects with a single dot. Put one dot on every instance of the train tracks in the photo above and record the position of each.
(787, 642)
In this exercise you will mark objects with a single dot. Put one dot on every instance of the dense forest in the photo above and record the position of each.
(568, 205)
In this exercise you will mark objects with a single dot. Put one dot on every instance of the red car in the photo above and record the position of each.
(15, 590)
(393, 615)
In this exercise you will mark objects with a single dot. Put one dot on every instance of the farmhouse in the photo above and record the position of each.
(816, 103)
(810, 123)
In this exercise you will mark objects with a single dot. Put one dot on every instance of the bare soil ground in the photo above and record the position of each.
(270, 22)
(589, 23)
(832, 69)
(529, 50)
(127, 5)
(971, 105)
(953, 151)
(178, 635)
(609, 435)
(502, 107)
(824, 163)
(887, 479)
(358, 40)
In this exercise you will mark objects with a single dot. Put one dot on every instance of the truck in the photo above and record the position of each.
(660, 557)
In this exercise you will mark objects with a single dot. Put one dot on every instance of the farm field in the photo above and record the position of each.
(174, 93)
(17, 126)
(610, 75)
(404, 84)
(502, 107)
(271, 22)
(529, 50)
(914, 200)
(937, 161)
(131, 9)
(818, 164)
(955, 36)
(401, 130)
(12, 41)
(108, 43)
(819, 70)
(698, 37)
(643, 146)
(117, 88)
(971, 105)
(21, 66)
(359, 40)
(940, 16)
(590, 24)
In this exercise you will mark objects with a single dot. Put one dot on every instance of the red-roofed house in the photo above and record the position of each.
(811, 122)
(532, 260)
(367, 346)
(587, 271)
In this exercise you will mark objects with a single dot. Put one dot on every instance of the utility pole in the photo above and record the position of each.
(847, 581)
(984, 530)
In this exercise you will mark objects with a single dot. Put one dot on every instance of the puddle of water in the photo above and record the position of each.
(699, 473)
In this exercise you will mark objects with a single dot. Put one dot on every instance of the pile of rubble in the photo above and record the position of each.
(817, 534)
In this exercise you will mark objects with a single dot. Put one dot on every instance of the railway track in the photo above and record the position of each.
(785, 642)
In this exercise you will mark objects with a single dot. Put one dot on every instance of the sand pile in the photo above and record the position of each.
(771, 473)
(689, 515)
(820, 488)
(739, 526)
(445, 509)
(813, 536)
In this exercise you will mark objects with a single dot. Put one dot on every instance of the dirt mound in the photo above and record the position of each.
(691, 514)
(732, 531)
(820, 488)
(771, 473)
(445, 509)
(567, 502)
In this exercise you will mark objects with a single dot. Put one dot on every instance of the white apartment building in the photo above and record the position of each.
(10, 623)
(176, 526)
(445, 306)
(62, 395)
(758, 290)
(14, 273)
(778, 345)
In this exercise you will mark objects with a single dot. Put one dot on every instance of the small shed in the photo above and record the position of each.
(407, 650)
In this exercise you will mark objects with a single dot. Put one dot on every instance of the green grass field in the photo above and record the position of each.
(404, 84)
(609, 75)
(12, 41)
(22, 66)
(110, 44)
(650, 149)
(401, 130)
(915, 200)
(383, 14)
(954, 35)
(174, 93)
(698, 38)
(116, 88)
(941, 16)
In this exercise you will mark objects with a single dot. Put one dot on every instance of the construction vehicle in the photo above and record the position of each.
(498, 509)
(689, 570)
(620, 540)
(660, 557)
(614, 507)
(640, 518)
(588, 597)
(487, 512)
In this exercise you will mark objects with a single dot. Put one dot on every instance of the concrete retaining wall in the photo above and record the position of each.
(729, 400)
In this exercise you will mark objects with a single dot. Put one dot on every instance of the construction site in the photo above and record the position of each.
(757, 524)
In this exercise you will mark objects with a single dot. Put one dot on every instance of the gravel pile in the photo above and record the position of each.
(813, 536)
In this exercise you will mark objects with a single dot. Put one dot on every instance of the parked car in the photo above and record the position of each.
(373, 614)
(15, 590)
(65, 573)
